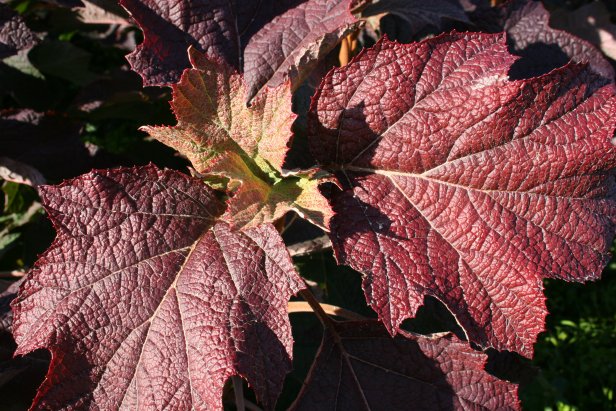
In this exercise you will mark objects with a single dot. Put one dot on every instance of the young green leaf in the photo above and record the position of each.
(213, 118)
(223, 136)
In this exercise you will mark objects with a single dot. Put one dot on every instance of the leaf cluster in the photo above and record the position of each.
(354, 206)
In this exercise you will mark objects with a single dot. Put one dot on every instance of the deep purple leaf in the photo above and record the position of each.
(359, 366)
(464, 185)
(170, 27)
(293, 43)
(146, 304)
(542, 47)
(291, 35)
(14, 34)
(419, 13)
(214, 27)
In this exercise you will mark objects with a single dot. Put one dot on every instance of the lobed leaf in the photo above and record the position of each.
(169, 28)
(209, 103)
(271, 40)
(543, 48)
(146, 303)
(291, 45)
(359, 366)
(464, 185)
(222, 136)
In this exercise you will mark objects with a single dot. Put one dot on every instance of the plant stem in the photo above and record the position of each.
(325, 320)
(344, 54)
(310, 246)
(304, 307)
(251, 406)
(12, 274)
(287, 225)
(280, 225)
(238, 390)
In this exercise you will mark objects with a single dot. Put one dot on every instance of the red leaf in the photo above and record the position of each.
(464, 185)
(169, 27)
(293, 43)
(142, 301)
(360, 367)
(272, 40)
(543, 48)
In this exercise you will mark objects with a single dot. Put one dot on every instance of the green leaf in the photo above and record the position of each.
(213, 118)
(224, 137)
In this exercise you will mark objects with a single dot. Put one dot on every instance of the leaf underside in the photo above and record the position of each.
(464, 185)
(146, 304)
(293, 43)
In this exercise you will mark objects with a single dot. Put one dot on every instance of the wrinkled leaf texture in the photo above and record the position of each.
(464, 185)
(271, 40)
(292, 44)
(146, 303)
(14, 34)
(359, 366)
(221, 136)
(542, 47)
(213, 119)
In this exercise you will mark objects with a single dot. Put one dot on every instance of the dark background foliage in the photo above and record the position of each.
(78, 80)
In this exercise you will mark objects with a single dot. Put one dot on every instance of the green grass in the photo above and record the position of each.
(577, 353)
